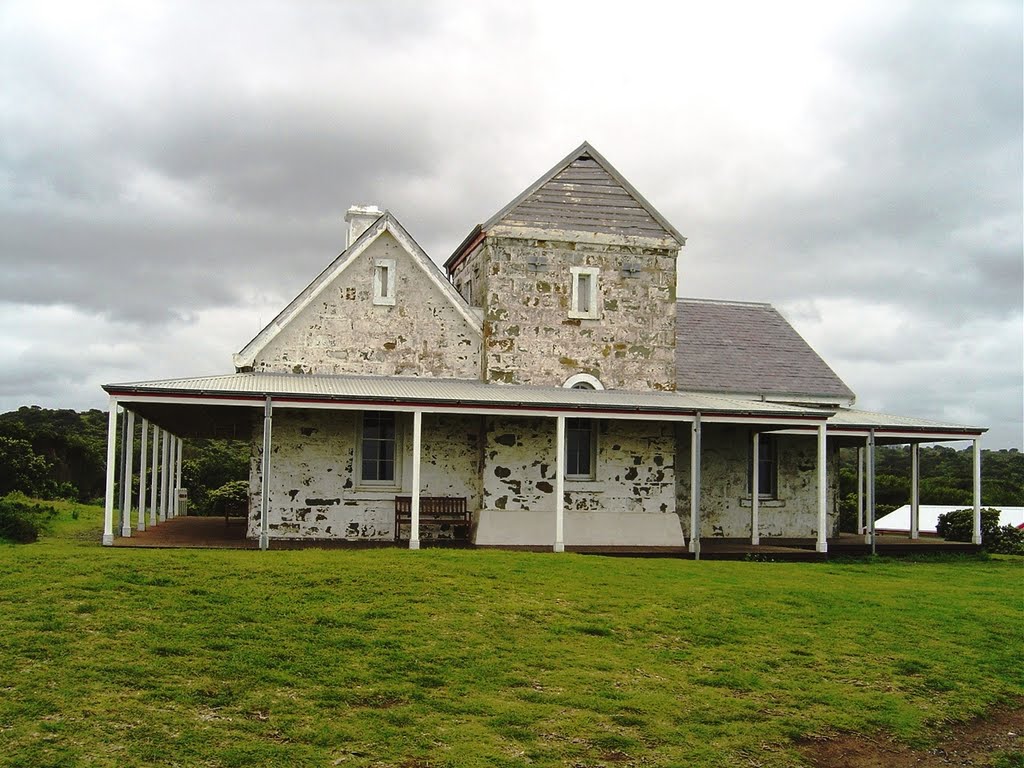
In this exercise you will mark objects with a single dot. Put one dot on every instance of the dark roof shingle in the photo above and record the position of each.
(741, 347)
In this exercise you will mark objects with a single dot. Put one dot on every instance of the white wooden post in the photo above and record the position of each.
(915, 491)
(559, 545)
(417, 438)
(165, 474)
(129, 473)
(265, 484)
(142, 474)
(154, 476)
(976, 536)
(871, 490)
(822, 543)
(173, 455)
(108, 498)
(177, 476)
(119, 523)
(755, 490)
(695, 487)
(860, 490)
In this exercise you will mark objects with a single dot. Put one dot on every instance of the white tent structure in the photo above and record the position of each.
(898, 521)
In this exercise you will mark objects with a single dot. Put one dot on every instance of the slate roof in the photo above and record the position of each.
(582, 192)
(750, 349)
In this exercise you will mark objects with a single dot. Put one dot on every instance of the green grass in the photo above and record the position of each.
(460, 658)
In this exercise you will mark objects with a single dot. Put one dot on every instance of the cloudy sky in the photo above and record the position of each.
(171, 174)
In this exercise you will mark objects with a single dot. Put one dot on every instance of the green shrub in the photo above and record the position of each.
(22, 520)
(958, 525)
(1006, 541)
(233, 497)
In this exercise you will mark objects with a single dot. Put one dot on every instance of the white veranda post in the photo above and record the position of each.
(976, 535)
(915, 492)
(755, 490)
(177, 475)
(144, 433)
(265, 480)
(695, 486)
(559, 545)
(165, 475)
(154, 476)
(108, 497)
(871, 489)
(860, 490)
(822, 543)
(171, 495)
(129, 474)
(417, 439)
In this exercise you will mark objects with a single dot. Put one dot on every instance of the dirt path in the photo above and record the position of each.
(975, 743)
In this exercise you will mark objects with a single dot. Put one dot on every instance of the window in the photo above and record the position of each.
(767, 468)
(579, 449)
(584, 293)
(384, 282)
(379, 448)
(582, 381)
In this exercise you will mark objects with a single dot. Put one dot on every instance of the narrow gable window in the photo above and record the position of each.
(584, 293)
(384, 282)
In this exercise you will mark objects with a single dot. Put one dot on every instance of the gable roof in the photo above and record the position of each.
(582, 192)
(747, 348)
(385, 223)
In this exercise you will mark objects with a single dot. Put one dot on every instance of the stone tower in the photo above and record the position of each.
(576, 278)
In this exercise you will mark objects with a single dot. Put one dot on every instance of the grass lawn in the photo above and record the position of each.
(128, 657)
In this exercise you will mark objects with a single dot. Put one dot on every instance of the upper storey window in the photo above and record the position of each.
(584, 293)
(384, 282)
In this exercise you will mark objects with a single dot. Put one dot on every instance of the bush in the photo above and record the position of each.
(22, 520)
(1006, 541)
(233, 497)
(958, 525)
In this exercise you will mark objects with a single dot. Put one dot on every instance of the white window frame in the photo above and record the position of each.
(363, 483)
(574, 382)
(585, 381)
(384, 289)
(592, 311)
(592, 475)
(768, 454)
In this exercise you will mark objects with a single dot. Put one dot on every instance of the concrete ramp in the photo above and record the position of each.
(519, 528)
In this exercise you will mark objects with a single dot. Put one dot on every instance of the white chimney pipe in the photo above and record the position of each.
(359, 219)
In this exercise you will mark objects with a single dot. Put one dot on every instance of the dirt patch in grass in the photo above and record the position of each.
(995, 740)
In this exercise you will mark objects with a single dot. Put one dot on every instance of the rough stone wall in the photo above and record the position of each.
(473, 269)
(635, 467)
(343, 331)
(725, 500)
(314, 491)
(529, 337)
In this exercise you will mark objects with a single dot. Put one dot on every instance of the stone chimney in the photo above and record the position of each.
(359, 218)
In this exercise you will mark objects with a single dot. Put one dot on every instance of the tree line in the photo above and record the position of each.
(61, 454)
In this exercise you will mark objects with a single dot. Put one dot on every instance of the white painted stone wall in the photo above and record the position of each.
(725, 498)
(343, 331)
(635, 467)
(314, 489)
(525, 289)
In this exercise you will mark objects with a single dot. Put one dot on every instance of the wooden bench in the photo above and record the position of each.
(235, 509)
(434, 511)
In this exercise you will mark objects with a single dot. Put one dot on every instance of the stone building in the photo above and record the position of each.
(546, 389)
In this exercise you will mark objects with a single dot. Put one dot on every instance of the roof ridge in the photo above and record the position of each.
(724, 302)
